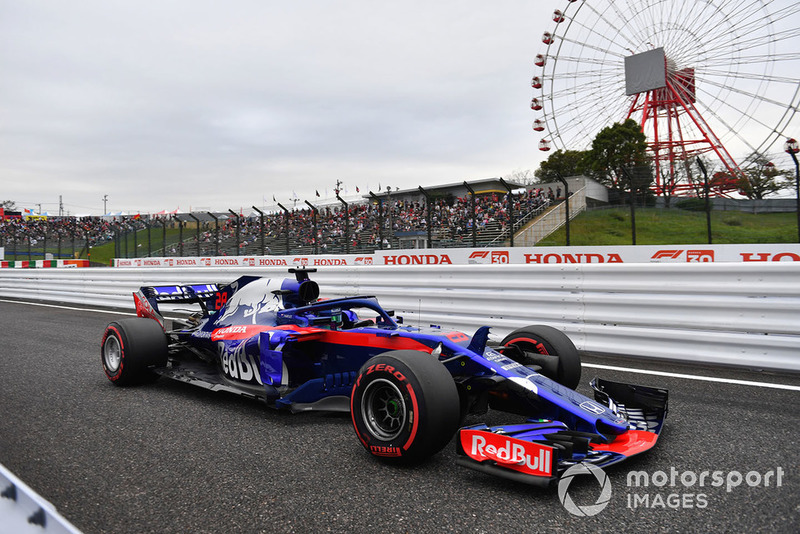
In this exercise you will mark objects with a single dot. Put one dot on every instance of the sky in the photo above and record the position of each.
(213, 105)
(210, 105)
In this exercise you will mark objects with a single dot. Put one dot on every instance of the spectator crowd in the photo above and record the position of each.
(451, 222)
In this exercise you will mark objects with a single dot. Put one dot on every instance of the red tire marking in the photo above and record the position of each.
(408, 443)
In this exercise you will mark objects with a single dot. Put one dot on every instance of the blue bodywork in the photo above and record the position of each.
(273, 339)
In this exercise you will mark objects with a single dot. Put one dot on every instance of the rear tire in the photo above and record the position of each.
(129, 349)
(549, 350)
(404, 406)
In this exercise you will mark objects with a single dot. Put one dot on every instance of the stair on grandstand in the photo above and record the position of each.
(544, 223)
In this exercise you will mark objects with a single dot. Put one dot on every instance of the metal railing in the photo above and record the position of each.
(742, 313)
(553, 219)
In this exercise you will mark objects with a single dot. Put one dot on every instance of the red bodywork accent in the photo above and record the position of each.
(145, 309)
(333, 337)
(630, 443)
(524, 456)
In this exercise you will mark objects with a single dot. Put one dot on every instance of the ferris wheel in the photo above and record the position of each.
(715, 77)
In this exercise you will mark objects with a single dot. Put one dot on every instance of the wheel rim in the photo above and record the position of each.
(112, 353)
(383, 409)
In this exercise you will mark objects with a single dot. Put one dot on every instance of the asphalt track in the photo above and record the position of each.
(169, 457)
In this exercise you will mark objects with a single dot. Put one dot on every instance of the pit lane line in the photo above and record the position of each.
(767, 385)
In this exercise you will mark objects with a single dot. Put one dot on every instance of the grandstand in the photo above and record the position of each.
(480, 213)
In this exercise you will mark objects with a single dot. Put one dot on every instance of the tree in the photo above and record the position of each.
(563, 162)
(519, 176)
(617, 146)
(760, 177)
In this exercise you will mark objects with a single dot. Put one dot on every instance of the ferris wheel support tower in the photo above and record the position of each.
(662, 95)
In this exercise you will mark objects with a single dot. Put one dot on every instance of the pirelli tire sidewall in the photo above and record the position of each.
(130, 348)
(404, 406)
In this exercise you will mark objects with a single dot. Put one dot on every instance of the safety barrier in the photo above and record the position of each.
(743, 314)
(22, 510)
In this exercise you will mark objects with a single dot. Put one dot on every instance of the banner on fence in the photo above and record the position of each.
(30, 264)
(516, 255)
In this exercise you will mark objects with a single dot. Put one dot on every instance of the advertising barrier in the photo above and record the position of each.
(730, 313)
(517, 256)
(39, 264)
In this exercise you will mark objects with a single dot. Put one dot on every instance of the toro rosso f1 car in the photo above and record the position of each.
(408, 389)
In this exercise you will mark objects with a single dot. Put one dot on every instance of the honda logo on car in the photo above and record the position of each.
(523, 456)
(236, 332)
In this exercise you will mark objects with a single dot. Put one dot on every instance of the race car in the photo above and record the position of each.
(408, 389)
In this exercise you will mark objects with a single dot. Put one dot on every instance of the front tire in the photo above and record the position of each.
(404, 406)
(129, 349)
(548, 351)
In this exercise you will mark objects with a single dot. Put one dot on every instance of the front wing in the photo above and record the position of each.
(538, 452)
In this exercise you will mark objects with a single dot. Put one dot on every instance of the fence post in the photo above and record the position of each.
(708, 203)
(472, 209)
(180, 236)
(261, 230)
(380, 219)
(197, 232)
(216, 233)
(511, 212)
(314, 225)
(346, 224)
(427, 215)
(238, 235)
(286, 225)
(566, 202)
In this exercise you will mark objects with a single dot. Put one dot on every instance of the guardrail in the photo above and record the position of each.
(742, 314)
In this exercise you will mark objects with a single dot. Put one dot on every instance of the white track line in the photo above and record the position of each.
(693, 377)
(591, 365)
(61, 307)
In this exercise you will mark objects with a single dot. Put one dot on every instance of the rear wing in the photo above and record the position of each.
(148, 298)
